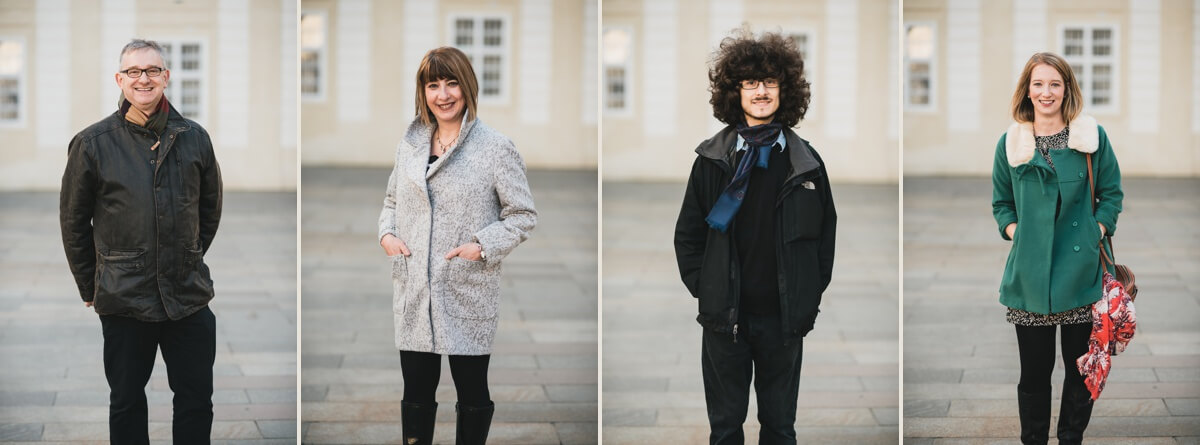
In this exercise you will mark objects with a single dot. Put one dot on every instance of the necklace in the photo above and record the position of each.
(443, 147)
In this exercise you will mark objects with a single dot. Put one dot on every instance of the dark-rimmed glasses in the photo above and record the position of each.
(135, 73)
(751, 84)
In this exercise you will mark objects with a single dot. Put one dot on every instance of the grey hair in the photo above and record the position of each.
(139, 44)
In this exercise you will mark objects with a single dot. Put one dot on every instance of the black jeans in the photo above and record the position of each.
(760, 351)
(189, 347)
(1037, 351)
(423, 370)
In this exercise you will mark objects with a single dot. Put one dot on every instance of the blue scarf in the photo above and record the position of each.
(759, 139)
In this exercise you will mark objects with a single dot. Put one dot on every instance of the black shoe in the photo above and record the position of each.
(473, 423)
(1074, 414)
(417, 420)
(1034, 409)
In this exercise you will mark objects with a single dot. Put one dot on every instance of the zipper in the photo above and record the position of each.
(735, 325)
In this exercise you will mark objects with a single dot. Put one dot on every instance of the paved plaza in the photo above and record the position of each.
(653, 391)
(543, 369)
(52, 386)
(960, 355)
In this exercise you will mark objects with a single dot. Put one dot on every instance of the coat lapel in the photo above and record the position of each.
(464, 131)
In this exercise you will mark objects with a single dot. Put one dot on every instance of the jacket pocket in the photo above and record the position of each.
(473, 289)
(399, 281)
(195, 283)
(801, 214)
(120, 276)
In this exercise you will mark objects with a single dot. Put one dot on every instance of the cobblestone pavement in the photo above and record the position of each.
(653, 391)
(960, 356)
(543, 370)
(52, 386)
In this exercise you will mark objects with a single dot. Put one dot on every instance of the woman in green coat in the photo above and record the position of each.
(1042, 203)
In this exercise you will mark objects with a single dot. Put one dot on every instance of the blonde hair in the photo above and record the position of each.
(451, 64)
(1022, 106)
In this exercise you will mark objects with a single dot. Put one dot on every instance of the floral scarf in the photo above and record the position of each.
(1114, 322)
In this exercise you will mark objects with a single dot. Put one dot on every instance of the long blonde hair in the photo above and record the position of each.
(1022, 106)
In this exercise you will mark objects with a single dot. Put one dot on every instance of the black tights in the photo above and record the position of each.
(423, 370)
(1036, 345)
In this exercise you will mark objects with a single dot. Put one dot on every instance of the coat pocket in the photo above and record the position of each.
(473, 289)
(196, 284)
(120, 275)
(399, 281)
(801, 214)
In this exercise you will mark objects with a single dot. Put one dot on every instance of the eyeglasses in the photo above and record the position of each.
(751, 84)
(135, 73)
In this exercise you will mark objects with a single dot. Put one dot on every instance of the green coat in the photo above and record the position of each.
(1054, 264)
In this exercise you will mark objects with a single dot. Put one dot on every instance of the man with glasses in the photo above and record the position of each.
(139, 206)
(755, 237)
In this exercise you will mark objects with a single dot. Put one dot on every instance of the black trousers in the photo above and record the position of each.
(189, 347)
(423, 370)
(761, 353)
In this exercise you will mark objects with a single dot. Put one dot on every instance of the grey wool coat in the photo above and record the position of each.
(476, 192)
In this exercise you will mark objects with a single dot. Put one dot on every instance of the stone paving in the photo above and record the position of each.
(960, 355)
(52, 386)
(653, 391)
(543, 370)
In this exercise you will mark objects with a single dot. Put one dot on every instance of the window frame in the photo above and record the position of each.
(479, 51)
(1088, 60)
(322, 58)
(810, 60)
(178, 75)
(932, 106)
(628, 65)
(22, 77)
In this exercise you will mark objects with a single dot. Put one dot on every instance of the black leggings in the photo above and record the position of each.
(1036, 345)
(423, 370)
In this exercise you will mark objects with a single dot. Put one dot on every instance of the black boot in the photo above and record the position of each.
(1074, 413)
(1034, 409)
(473, 423)
(417, 420)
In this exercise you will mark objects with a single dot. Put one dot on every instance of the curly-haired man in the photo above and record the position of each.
(755, 237)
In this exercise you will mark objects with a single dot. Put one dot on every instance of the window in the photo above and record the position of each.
(920, 70)
(805, 42)
(312, 55)
(618, 48)
(1091, 51)
(187, 87)
(484, 39)
(12, 67)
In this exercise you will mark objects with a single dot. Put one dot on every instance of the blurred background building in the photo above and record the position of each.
(1137, 61)
(535, 60)
(233, 69)
(655, 82)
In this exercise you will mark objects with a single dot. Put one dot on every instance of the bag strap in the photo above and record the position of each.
(1104, 258)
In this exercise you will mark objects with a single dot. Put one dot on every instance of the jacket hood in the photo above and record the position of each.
(720, 148)
(1019, 143)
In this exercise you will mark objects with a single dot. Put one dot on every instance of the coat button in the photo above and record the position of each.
(1076, 248)
(1074, 223)
(1082, 174)
(151, 161)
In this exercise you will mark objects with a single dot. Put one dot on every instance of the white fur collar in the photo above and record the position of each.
(1019, 143)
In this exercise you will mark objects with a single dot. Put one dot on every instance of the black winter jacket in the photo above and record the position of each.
(708, 260)
(136, 223)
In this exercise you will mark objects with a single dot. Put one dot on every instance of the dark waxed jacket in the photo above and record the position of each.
(806, 224)
(136, 223)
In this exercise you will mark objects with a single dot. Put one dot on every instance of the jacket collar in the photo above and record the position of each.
(418, 139)
(721, 148)
(1019, 143)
